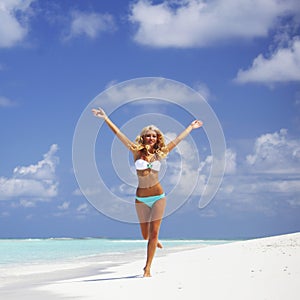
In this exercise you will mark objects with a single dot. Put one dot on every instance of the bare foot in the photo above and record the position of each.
(146, 272)
(159, 245)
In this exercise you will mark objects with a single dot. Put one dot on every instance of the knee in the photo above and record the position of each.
(153, 234)
(145, 233)
(145, 236)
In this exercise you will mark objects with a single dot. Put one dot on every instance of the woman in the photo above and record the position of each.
(148, 150)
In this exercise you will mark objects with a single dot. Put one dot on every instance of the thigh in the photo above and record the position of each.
(158, 209)
(157, 214)
(143, 211)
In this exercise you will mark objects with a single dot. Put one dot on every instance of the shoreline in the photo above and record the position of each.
(264, 268)
(19, 280)
(38, 251)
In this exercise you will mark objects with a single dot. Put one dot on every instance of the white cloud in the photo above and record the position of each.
(184, 168)
(275, 153)
(268, 178)
(83, 208)
(14, 23)
(44, 169)
(4, 214)
(77, 192)
(64, 206)
(203, 90)
(88, 192)
(283, 65)
(260, 193)
(14, 187)
(148, 87)
(126, 191)
(90, 24)
(188, 172)
(35, 182)
(27, 203)
(230, 157)
(199, 23)
(6, 102)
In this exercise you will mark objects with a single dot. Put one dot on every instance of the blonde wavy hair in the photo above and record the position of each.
(160, 147)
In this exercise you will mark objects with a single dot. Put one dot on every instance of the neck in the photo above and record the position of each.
(150, 150)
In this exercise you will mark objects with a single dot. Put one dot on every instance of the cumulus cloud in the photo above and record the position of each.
(90, 25)
(275, 153)
(35, 182)
(64, 206)
(152, 87)
(268, 178)
(281, 66)
(199, 23)
(14, 16)
(183, 169)
(230, 157)
(260, 193)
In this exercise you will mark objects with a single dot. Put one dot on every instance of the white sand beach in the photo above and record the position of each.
(260, 269)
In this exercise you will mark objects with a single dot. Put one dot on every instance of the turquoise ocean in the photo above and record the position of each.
(14, 252)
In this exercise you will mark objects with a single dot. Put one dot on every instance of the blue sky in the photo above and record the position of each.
(242, 56)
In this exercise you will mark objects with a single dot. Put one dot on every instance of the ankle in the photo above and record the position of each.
(147, 272)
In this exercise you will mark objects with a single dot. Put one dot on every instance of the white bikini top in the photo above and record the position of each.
(141, 164)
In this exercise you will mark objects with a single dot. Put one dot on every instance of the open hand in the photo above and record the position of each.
(99, 112)
(196, 124)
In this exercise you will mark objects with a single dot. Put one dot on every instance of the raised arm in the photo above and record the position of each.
(195, 124)
(99, 112)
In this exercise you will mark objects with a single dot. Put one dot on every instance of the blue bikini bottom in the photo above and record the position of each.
(151, 199)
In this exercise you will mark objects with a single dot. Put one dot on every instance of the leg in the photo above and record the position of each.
(157, 213)
(144, 213)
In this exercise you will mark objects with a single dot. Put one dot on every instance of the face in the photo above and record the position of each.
(150, 138)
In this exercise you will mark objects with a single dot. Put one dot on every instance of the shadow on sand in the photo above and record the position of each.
(114, 278)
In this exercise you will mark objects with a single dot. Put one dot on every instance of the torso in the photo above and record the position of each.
(148, 181)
